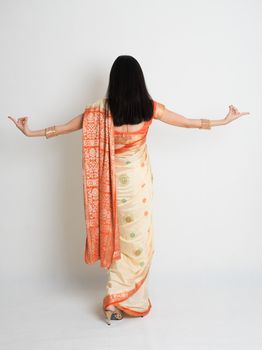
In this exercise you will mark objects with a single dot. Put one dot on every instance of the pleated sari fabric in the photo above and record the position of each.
(127, 285)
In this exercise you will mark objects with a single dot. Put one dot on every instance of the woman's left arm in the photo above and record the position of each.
(176, 119)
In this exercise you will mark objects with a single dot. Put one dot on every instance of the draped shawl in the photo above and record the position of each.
(99, 186)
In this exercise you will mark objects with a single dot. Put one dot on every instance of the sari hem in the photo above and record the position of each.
(111, 299)
(131, 312)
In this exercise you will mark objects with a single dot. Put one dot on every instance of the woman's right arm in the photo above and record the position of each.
(72, 125)
(176, 119)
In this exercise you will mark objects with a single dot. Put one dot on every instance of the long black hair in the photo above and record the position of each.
(127, 97)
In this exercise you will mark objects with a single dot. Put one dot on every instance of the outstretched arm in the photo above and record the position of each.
(72, 125)
(176, 119)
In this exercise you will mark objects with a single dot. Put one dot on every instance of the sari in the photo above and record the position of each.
(128, 241)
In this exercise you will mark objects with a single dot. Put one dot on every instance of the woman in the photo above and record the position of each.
(117, 182)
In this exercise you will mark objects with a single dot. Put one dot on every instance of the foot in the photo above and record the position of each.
(117, 314)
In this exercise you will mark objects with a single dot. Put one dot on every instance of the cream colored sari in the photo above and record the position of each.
(127, 286)
(118, 192)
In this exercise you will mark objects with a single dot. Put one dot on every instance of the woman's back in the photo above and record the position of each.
(129, 128)
(130, 136)
(129, 139)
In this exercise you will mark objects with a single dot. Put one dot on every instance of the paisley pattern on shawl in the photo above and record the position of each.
(99, 187)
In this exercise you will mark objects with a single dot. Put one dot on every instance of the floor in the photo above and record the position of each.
(190, 310)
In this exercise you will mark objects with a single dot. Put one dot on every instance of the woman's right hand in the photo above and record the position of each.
(233, 114)
(21, 124)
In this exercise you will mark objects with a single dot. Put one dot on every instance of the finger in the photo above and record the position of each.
(233, 108)
(12, 119)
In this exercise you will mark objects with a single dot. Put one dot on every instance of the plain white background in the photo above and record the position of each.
(198, 57)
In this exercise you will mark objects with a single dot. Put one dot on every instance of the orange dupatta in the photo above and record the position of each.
(98, 155)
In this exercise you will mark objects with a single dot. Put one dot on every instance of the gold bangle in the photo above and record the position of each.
(50, 131)
(205, 124)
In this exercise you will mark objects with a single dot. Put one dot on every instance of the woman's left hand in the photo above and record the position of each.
(233, 114)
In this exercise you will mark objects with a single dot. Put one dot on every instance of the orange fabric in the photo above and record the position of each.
(131, 145)
(133, 312)
(99, 181)
(102, 231)
(136, 138)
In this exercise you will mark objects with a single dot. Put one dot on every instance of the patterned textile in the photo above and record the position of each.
(128, 275)
(118, 189)
(102, 230)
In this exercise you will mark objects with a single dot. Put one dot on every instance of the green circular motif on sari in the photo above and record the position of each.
(124, 179)
(128, 218)
(128, 162)
(142, 263)
(138, 252)
(123, 200)
(132, 234)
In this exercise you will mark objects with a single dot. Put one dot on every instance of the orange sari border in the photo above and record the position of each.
(99, 186)
(133, 312)
(117, 298)
(131, 145)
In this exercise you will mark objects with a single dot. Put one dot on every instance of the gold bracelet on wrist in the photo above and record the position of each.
(50, 131)
(205, 124)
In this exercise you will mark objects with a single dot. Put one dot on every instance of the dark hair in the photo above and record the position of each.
(127, 97)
